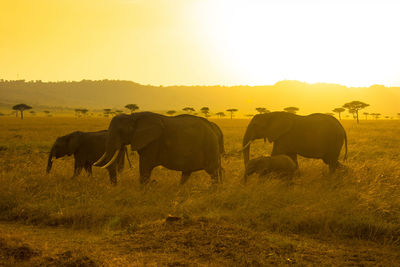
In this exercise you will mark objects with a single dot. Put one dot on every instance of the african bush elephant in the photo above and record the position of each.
(281, 164)
(317, 135)
(183, 143)
(87, 147)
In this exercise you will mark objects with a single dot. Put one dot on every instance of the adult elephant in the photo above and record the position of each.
(183, 143)
(87, 148)
(317, 135)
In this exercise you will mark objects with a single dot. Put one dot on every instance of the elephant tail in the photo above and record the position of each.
(50, 160)
(345, 143)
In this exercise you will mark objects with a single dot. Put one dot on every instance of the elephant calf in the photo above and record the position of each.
(262, 165)
(87, 148)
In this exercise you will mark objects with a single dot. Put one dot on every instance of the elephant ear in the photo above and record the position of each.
(74, 141)
(147, 129)
(278, 125)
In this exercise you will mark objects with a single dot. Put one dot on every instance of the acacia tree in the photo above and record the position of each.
(47, 112)
(84, 111)
(232, 110)
(338, 111)
(33, 113)
(366, 115)
(118, 111)
(376, 115)
(188, 109)
(107, 112)
(21, 108)
(171, 112)
(220, 114)
(355, 106)
(291, 109)
(205, 111)
(262, 110)
(398, 115)
(132, 107)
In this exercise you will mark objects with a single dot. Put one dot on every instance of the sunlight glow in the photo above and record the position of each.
(347, 42)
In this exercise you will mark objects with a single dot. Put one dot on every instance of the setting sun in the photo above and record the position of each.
(348, 42)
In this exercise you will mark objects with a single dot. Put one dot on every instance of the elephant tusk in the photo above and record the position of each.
(100, 160)
(247, 145)
(112, 159)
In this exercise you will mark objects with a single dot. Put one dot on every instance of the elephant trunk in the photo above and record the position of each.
(50, 160)
(112, 149)
(247, 139)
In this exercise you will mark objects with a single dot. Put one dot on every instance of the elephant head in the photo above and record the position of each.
(258, 165)
(64, 146)
(269, 125)
(138, 130)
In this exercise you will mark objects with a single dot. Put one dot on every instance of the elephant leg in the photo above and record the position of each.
(88, 169)
(145, 169)
(332, 167)
(185, 177)
(214, 176)
(112, 172)
(77, 170)
(148, 160)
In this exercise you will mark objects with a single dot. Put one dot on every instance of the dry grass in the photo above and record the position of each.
(361, 202)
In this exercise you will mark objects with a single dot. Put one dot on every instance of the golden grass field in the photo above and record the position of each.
(349, 218)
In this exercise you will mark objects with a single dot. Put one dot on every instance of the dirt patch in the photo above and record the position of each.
(14, 250)
(69, 259)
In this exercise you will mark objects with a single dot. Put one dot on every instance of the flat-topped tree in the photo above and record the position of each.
(205, 111)
(107, 112)
(132, 107)
(355, 106)
(262, 110)
(47, 112)
(171, 112)
(32, 112)
(220, 114)
(376, 115)
(188, 109)
(118, 111)
(232, 110)
(338, 111)
(366, 115)
(84, 111)
(21, 108)
(291, 109)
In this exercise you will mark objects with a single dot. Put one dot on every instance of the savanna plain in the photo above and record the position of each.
(350, 218)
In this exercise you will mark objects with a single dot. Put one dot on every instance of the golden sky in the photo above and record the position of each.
(229, 42)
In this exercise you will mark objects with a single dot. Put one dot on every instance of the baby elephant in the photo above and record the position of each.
(262, 165)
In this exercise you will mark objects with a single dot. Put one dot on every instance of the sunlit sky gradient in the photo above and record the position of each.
(355, 43)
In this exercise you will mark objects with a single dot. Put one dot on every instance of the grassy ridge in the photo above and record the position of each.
(359, 202)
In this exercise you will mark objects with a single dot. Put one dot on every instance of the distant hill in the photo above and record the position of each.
(309, 98)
